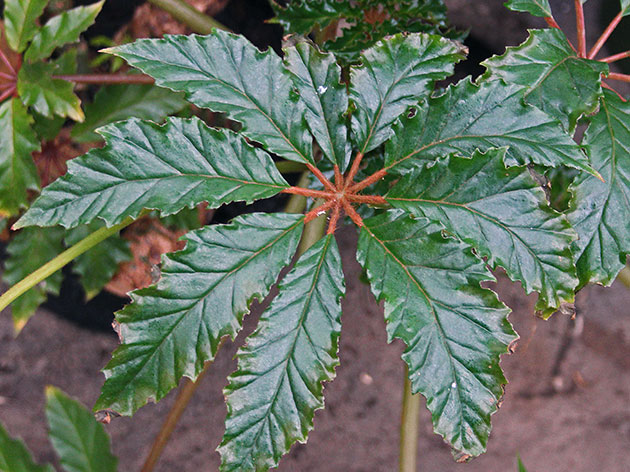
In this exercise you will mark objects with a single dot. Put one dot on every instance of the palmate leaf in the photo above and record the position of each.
(556, 80)
(484, 116)
(20, 21)
(226, 73)
(48, 96)
(396, 73)
(317, 78)
(15, 457)
(535, 7)
(97, 266)
(120, 102)
(17, 170)
(80, 441)
(273, 395)
(62, 29)
(145, 165)
(302, 16)
(600, 211)
(503, 213)
(171, 329)
(454, 329)
(28, 250)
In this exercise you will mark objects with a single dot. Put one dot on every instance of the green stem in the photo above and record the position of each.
(290, 167)
(410, 419)
(197, 21)
(297, 203)
(58, 262)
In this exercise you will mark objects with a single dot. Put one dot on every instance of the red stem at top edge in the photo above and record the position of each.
(106, 79)
(616, 57)
(620, 77)
(605, 35)
(581, 28)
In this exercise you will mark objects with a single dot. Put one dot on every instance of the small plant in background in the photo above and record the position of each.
(441, 185)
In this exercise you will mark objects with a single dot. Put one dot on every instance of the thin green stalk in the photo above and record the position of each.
(197, 21)
(410, 419)
(58, 262)
(290, 167)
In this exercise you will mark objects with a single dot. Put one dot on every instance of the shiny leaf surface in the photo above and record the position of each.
(20, 21)
(535, 7)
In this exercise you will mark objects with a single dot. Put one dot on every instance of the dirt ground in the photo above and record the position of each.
(571, 414)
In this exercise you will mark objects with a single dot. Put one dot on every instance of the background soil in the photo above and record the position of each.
(567, 407)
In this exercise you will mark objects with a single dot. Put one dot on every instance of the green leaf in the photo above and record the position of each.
(17, 170)
(273, 395)
(454, 329)
(534, 7)
(80, 441)
(226, 73)
(394, 74)
(625, 7)
(556, 80)
(145, 165)
(15, 457)
(48, 96)
(521, 467)
(120, 102)
(171, 329)
(20, 21)
(62, 29)
(28, 250)
(600, 211)
(489, 115)
(97, 266)
(317, 78)
(302, 16)
(503, 213)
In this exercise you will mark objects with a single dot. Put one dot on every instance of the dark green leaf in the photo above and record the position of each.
(97, 266)
(600, 211)
(454, 329)
(273, 395)
(47, 129)
(521, 467)
(396, 73)
(504, 214)
(14, 457)
(489, 115)
(556, 80)
(30, 249)
(48, 96)
(119, 102)
(62, 29)
(302, 16)
(226, 73)
(145, 165)
(171, 329)
(625, 7)
(20, 21)
(80, 441)
(317, 78)
(535, 7)
(17, 170)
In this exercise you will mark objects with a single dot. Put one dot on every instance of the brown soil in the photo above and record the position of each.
(572, 415)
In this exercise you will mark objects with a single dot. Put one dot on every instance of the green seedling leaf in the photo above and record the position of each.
(171, 329)
(534, 7)
(48, 96)
(62, 29)
(20, 21)
(501, 212)
(600, 211)
(97, 266)
(17, 170)
(79, 440)
(394, 74)
(317, 78)
(28, 250)
(556, 80)
(273, 395)
(120, 102)
(454, 329)
(489, 115)
(145, 165)
(14, 456)
(226, 73)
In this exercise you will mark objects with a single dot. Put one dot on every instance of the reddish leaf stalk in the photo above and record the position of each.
(616, 57)
(6, 62)
(305, 192)
(334, 218)
(354, 168)
(338, 177)
(606, 86)
(106, 79)
(581, 28)
(619, 77)
(605, 35)
(6, 94)
(321, 177)
(351, 212)
(314, 213)
(7, 76)
(551, 21)
(372, 179)
(367, 199)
